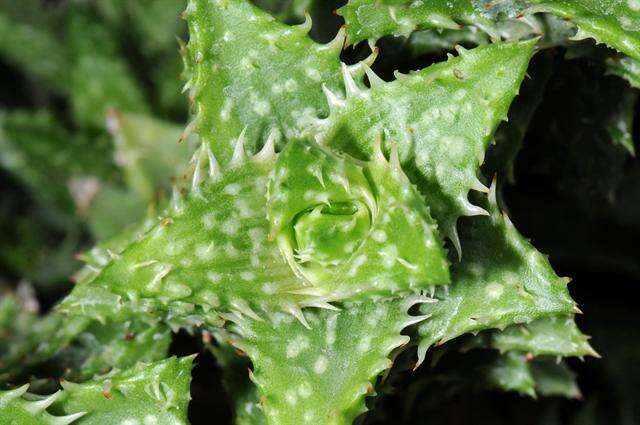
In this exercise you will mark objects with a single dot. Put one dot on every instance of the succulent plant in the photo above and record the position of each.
(328, 219)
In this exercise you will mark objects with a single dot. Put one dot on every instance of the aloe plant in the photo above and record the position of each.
(333, 219)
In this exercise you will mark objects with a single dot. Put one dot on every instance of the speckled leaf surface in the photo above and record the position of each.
(553, 335)
(441, 118)
(357, 229)
(208, 251)
(371, 20)
(274, 85)
(616, 23)
(231, 265)
(501, 280)
(78, 348)
(322, 374)
(155, 393)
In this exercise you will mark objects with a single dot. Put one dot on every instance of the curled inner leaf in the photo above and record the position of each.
(349, 227)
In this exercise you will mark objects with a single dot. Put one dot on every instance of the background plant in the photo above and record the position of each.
(239, 256)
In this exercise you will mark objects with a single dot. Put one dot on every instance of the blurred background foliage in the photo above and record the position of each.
(91, 112)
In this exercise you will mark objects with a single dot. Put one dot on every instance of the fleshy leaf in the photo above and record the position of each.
(17, 409)
(501, 281)
(208, 251)
(511, 372)
(357, 229)
(371, 20)
(554, 378)
(514, 371)
(147, 393)
(153, 392)
(442, 119)
(554, 335)
(333, 365)
(274, 85)
(615, 23)
(71, 347)
(232, 266)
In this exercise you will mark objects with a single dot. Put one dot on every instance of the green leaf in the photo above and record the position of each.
(554, 379)
(322, 374)
(502, 280)
(442, 119)
(354, 229)
(231, 266)
(73, 347)
(275, 85)
(370, 20)
(615, 22)
(101, 348)
(511, 372)
(32, 341)
(155, 393)
(554, 335)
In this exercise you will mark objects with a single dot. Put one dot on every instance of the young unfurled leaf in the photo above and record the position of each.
(413, 111)
(353, 228)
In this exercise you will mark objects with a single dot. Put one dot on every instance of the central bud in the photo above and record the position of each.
(351, 230)
(327, 235)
